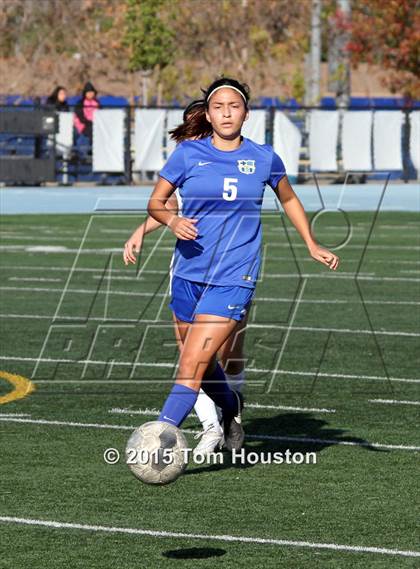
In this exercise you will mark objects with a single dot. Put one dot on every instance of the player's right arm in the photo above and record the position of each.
(182, 227)
(133, 245)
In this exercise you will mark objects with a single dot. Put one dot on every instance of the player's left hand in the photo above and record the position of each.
(325, 257)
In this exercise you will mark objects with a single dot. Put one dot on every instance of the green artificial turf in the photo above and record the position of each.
(339, 342)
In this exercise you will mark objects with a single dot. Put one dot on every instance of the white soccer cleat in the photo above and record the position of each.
(212, 439)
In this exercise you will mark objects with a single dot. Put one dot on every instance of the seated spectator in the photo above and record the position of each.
(58, 99)
(85, 109)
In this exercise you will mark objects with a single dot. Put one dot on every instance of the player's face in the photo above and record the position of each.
(226, 113)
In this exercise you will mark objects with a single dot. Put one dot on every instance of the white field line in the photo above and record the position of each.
(281, 438)
(394, 402)
(146, 411)
(249, 326)
(121, 232)
(290, 408)
(338, 330)
(54, 229)
(45, 268)
(136, 278)
(46, 235)
(337, 301)
(77, 270)
(265, 276)
(347, 276)
(340, 275)
(112, 292)
(37, 237)
(279, 298)
(82, 291)
(340, 227)
(169, 365)
(209, 537)
(133, 278)
(410, 225)
(15, 415)
(279, 245)
(127, 411)
(35, 279)
(348, 260)
(58, 249)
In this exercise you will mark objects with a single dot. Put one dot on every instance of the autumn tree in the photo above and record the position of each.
(261, 42)
(388, 34)
(52, 42)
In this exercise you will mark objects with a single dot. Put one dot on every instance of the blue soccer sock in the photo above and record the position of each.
(178, 404)
(216, 387)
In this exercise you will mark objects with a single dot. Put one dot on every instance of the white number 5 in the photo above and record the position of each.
(230, 191)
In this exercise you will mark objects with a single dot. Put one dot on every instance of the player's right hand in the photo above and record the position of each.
(183, 228)
(131, 247)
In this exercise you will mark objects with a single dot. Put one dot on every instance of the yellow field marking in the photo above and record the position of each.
(22, 387)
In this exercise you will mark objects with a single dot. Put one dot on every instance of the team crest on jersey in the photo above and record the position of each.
(246, 166)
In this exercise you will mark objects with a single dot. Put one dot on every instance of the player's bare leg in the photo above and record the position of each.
(198, 345)
(212, 434)
(202, 340)
(198, 364)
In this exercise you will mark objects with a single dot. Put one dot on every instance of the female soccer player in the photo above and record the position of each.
(217, 257)
(195, 125)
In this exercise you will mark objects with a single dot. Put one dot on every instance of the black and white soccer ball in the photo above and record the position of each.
(157, 453)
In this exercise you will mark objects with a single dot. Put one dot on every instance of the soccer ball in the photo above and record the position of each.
(155, 453)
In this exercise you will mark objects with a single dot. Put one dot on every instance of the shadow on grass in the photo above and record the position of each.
(194, 553)
(293, 432)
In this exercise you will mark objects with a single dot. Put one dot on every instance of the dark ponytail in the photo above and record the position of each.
(195, 124)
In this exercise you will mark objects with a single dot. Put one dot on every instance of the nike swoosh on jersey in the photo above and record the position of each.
(233, 306)
(203, 163)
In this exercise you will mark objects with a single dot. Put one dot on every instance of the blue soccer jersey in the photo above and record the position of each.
(224, 191)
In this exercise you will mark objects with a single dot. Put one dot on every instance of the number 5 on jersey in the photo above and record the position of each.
(230, 191)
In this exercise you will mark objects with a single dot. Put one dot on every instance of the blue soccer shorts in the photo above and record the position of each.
(191, 298)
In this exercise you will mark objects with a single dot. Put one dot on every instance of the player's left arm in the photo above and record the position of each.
(294, 210)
